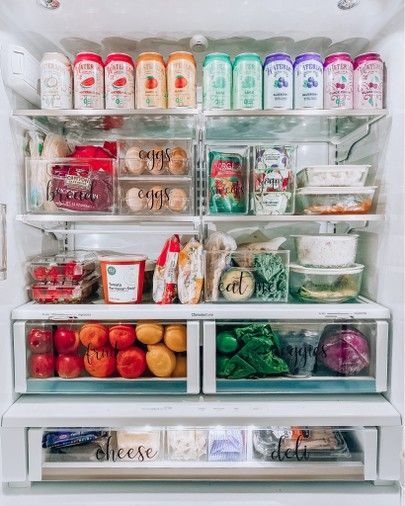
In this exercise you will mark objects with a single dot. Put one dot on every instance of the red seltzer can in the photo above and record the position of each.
(89, 81)
(119, 82)
(368, 81)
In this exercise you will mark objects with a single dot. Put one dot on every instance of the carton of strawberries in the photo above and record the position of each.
(68, 277)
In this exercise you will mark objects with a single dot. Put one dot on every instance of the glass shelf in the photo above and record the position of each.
(289, 126)
(105, 124)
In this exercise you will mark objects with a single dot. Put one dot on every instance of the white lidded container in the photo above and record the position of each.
(326, 250)
(334, 200)
(333, 175)
(311, 284)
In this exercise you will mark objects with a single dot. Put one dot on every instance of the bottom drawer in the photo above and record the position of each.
(203, 453)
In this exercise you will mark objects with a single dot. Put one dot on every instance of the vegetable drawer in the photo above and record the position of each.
(295, 357)
(141, 357)
(203, 452)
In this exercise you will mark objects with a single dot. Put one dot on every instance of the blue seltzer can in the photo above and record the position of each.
(247, 90)
(217, 81)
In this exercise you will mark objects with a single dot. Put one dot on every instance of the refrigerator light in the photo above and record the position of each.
(345, 5)
(49, 4)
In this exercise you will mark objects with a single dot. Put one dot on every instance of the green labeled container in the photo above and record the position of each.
(247, 90)
(217, 81)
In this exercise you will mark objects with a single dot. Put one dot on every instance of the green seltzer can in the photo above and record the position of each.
(217, 81)
(247, 92)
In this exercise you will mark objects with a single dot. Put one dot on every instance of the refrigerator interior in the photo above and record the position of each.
(291, 26)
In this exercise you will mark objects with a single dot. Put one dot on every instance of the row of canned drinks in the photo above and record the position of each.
(119, 82)
(338, 82)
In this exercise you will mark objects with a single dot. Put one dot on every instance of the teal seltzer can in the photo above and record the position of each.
(217, 81)
(247, 91)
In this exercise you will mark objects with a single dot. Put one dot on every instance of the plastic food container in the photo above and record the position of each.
(333, 175)
(328, 200)
(325, 285)
(143, 157)
(326, 250)
(71, 185)
(163, 197)
(227, 279)
(123, 277)
(71, 266)
(65, 293)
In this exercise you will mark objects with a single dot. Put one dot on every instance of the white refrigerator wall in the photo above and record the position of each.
(21, 242)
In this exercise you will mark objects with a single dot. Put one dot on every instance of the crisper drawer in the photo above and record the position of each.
(295, 357)
(199, 453)
(140, 357)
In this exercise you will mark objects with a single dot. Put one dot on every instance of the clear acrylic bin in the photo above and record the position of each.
(246, 276)
(290, 357)
(70, 185)
(163, 197)
(155, 157)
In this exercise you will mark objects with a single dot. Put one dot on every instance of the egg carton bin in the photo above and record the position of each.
(246, 276)
(161, 157)
(70, 185)
(165, 197)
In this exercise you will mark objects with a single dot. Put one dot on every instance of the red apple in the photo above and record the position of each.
(39, 273)
(41, 365)
(69, 365)
(66, 340)
(40, 340)
(121, 336)
(131, 363)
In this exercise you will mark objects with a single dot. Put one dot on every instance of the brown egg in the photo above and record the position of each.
(157, 198)
(178, 199)
(178, 161)
(157, 160)
(133, 162)
(135, 199)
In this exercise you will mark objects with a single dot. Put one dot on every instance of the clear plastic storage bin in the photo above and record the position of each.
(333, 176)
(311, 284)
(246, 276)
(335, 200)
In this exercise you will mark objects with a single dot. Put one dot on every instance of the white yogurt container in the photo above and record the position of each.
(324, 250)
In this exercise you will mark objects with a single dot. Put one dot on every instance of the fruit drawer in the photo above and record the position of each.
(141, 357)
(295, 357)
(201, 453)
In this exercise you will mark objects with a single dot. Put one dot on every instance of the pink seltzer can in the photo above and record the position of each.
(368, 81)
(338, 81)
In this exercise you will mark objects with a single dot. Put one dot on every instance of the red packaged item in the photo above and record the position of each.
(166, 272)
(86, 184)
(66, 292)
(70, 266)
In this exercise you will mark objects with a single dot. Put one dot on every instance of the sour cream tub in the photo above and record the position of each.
(123, 277)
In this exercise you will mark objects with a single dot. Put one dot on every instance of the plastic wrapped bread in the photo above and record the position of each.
(165, 277)
(217, 247)
(190, 281)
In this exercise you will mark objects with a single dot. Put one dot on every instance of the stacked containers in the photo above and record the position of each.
(326, 270)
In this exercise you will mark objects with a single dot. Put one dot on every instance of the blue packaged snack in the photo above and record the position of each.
(62, 438)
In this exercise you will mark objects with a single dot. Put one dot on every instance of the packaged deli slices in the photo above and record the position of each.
(166, 272)
(273, 179)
